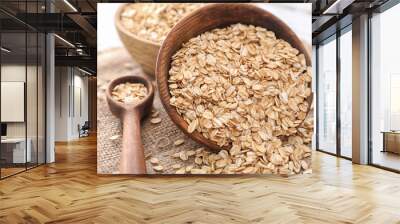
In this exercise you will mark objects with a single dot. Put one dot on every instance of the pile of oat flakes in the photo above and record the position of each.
(154, 21)
(129, 93)
(243, 87)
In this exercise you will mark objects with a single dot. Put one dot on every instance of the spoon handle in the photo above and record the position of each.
(132, 155)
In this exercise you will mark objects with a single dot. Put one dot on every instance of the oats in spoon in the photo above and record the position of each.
(129, 93)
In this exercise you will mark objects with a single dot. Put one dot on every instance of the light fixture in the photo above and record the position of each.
(70, 5)
(64, 40)
(5, 50)
(337, 7)
(84, 71)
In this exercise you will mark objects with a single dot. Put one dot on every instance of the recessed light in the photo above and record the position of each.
(64, 40)
(337, 7)
(5, 50)
(70, 5)
(84, 71)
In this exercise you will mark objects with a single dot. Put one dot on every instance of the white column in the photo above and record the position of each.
(50, 99)
(314, 90)
(50, 92)
(360, 90)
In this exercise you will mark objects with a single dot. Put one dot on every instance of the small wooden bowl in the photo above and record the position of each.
(143, 51)
(204, 19)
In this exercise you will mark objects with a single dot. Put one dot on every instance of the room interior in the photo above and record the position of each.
(29, 103)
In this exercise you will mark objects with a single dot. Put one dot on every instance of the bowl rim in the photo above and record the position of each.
(125, 31)
(165, 95)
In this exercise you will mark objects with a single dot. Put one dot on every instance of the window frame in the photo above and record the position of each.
(334, 37)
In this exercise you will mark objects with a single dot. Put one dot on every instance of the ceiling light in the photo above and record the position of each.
(64, 40)
(80, 51)
(84, 71)
(5, 50)
(70, 5)
(337, 7)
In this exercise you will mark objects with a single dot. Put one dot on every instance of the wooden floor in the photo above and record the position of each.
(387, 159)
(10, 171)
(69, 191)
(5, 172)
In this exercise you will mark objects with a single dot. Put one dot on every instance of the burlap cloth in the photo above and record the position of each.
(157, 139)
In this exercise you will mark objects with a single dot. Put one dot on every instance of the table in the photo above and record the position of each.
(18, 151)
(391, 141)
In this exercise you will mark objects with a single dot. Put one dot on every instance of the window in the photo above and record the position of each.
(346, 93)
(385, 89)
(327, 96)
(22, 75)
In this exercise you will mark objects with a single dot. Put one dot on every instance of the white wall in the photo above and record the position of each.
(70, 82)
(79, 117)
(61, 103)
(33, 126)
(12, 73)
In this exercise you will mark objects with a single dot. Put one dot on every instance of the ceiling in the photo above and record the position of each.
(76, 22)
(331, 15)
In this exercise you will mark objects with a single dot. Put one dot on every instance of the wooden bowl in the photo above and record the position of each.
(204, 19)
(143, 51)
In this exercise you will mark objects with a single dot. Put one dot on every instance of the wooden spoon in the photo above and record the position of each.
(132, 155)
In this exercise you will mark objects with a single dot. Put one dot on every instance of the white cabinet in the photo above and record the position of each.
(19, 155)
